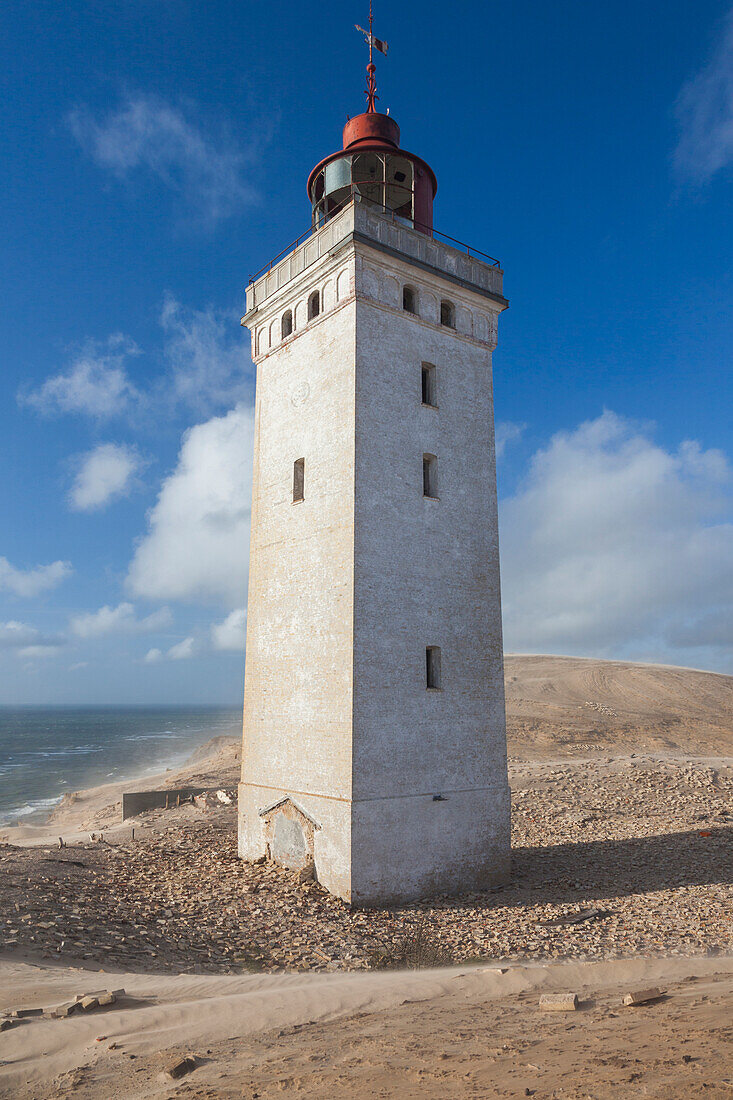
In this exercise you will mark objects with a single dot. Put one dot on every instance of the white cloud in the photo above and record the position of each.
(105, 473)
(182, 650)
(39, 651)
(27, 641)
(614, 545)
(705, 114)
(206, 354)
(13, 635)
(117, 620)
(95, 385)
(506, 433)
(231, 633)
(197, 543)
(31, 582)
(146, 134)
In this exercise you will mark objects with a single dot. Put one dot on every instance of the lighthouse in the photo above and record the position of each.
(374, 743)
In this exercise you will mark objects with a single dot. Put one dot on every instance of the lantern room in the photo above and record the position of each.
(372, 168)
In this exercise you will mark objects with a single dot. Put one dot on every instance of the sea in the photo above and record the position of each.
(47, 751)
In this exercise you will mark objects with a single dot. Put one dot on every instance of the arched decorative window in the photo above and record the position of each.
(314, 305)
(409, 300)
(286, 325)
(429, 476)
(447, 314)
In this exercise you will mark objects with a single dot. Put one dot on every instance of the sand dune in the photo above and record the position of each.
(566, 705)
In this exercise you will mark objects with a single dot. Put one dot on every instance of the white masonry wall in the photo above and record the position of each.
(298, 681)
(349, 587)
(426, 573)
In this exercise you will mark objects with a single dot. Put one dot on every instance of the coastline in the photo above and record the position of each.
(622, 837)
(47, 753)
(94, 808)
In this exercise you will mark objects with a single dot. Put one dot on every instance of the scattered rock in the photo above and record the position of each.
(307, 873)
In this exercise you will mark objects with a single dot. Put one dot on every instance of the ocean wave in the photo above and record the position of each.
(35, 807)
(75, 750)
(169, 735)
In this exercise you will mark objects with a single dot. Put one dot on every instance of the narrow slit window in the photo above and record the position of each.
(429, 476)
(314, 305)
(298, 479)
(286, 327)
(409, 299)
(432, 668)
(447, 314)
(428, 385)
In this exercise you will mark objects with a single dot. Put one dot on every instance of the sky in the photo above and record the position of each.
(155, 154)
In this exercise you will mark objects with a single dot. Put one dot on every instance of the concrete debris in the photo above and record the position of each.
(6, 1023)
(559, 1002)
(643, 996)
(86, 1002)
(24, 1013)
(179, 1067)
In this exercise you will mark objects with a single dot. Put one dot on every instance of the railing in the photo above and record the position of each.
(409, 223)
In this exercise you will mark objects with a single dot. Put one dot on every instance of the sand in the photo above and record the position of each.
(432, 1033)
(621, 776)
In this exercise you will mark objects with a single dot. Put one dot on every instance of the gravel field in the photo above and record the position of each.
(612, 856)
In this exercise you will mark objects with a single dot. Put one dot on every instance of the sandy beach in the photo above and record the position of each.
(621, 780)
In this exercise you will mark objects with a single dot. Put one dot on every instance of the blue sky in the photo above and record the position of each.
(155, 154)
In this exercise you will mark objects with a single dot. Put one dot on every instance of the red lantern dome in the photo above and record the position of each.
(372, 168)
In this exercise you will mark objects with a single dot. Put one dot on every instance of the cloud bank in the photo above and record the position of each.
(614, 546)
(197, 543)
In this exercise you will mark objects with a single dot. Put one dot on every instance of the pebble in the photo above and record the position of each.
(608, 861)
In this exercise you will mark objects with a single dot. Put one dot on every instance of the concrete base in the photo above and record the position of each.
(383, 851)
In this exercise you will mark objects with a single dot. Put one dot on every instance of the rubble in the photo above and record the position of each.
(634, 878)
(179, 1067)
(643, 996)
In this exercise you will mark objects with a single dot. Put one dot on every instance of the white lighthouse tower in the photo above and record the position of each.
(374, 723)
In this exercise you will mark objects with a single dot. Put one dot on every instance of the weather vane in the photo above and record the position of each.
(377, 44)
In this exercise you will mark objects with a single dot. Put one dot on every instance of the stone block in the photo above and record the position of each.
(643, 996)
(559, 1002)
